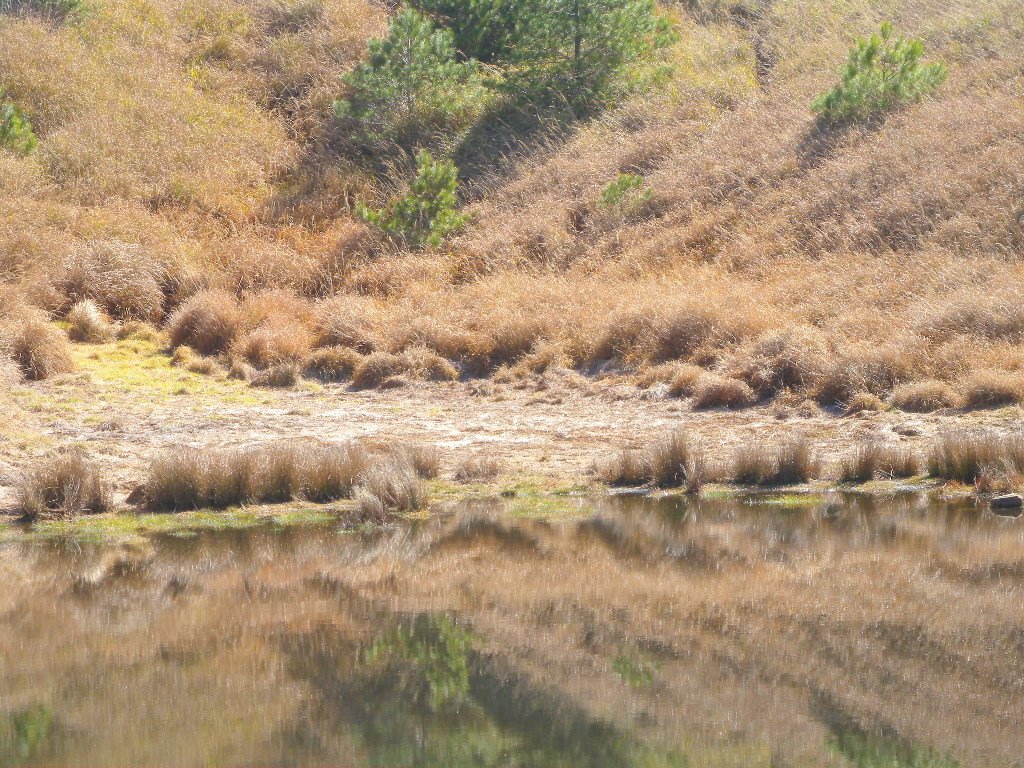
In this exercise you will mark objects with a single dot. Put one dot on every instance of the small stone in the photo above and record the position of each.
(1010, 504)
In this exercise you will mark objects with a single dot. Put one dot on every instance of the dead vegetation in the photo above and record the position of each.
(182, 479)
(874, 460)
(882, 264)
(64, 485)
(965, 457)
(674, 461)
(478, 469)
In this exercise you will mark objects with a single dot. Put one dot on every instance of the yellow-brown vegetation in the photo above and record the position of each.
(187, 170)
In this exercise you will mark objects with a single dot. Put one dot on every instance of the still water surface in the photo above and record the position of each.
(625, 632)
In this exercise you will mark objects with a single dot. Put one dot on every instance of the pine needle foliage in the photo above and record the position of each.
(427, 213)
(580, 52)
(412, 90)
(883, 73)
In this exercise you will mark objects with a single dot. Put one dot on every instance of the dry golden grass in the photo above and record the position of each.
(672, 461)
(64, 485)
(872, 460)
(384, 368)
(390, 485)
(86, 322)
(208, 322)
(924, 396)
(332, 363)
(713, 391)
(964, 457)
(36, 347)
(833, 268)
(477, 469)
(189, 478)
(280, 376)
(864, 402)
(988, 388)
(793, 462)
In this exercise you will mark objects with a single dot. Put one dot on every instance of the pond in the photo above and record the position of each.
(623, 631)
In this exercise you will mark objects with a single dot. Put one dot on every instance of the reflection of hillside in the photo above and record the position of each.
(733, 636)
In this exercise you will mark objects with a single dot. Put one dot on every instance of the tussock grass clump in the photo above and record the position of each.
(478, 469)
(38, 348)
(425, 459)
(332, 363)
(281, 341)
(124, 279)
(990, 389)
(189, 478)
(791, 463)
(347, 321)
(864, 402)
(280, 376)
(875, 371)
(87, 323)
(390, 485)
(871, 460)
(963, 457)
(208, 322)
(673, 461)
(629, 468)
(382, 368)
(64, 485)
(713, 391)
(924, 396)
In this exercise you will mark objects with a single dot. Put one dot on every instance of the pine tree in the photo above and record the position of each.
(412, 91)
(578, 51)
(427, 213)
(882, 73)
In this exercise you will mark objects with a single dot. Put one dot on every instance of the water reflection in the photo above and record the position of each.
(830, 631)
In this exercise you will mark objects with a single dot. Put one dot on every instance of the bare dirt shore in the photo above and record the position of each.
(127, 401)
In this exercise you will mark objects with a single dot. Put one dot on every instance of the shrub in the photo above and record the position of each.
(15, 129)
(579, 52)
(923, 396)
(65, 485)
(86, 322)
(882, 73)
(208, 322)
(427, 213)
(412, 90)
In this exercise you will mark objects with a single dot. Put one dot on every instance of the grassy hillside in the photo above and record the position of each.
(186, 146)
